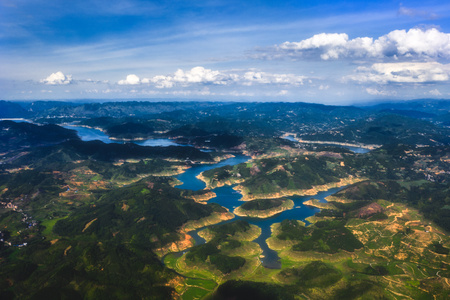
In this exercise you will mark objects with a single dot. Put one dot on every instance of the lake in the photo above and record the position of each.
(90, 134)
(230, 199)
(226, 196)
(351, 148)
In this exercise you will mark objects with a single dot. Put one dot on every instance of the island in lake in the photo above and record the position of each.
(263, 208)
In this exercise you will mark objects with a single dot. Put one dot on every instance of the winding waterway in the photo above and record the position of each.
(226, 195)
(229, 198)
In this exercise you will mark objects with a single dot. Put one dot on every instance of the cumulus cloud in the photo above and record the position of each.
(57, 79)
(131, 80)
(402, 73)
(160, 81)
(202, 76)
(249, 78)
(414, 43)
(195, 75)
(199, 74)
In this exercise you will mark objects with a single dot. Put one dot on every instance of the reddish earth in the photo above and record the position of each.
(369, 210)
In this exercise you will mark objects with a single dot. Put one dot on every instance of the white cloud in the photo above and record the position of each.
(160, 81)
(57, 78)
(414, 43)
(93, 81)
(324, 87)
(249, 78)
(329, 41)
(377, 92)
(199, 74)
(435, 92)
(402, 73)
(185, 78)
(131, 80)
(202, 76)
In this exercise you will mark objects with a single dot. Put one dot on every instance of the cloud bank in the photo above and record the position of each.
(414, 43)
(201, 76)
(185, 78)
(382, 73)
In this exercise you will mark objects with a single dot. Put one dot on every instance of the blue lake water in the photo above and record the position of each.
(17, 120)
(353, 149)
(91, 134)
(190, 182)
(226, 196)
(357, 149)
(290, 138)
(229, 198)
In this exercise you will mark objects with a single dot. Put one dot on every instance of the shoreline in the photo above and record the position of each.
(114, 138)
(267, 213)
(186, 240)
(304, 192)
(219, 183)
(214, 218)
(247, 236)
(320, 205)
(356, 145)
(276, 244)
(203, 197)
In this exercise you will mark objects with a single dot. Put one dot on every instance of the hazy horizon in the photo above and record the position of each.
(162, 100)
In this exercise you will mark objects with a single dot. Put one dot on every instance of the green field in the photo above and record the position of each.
(48, 224)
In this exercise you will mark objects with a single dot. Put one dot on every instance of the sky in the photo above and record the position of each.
(331, 52)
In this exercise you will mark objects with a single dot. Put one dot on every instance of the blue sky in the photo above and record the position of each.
(312, 51)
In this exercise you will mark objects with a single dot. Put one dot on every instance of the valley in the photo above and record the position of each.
(198, 206)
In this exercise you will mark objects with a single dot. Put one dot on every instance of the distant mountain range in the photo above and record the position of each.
(412, 122)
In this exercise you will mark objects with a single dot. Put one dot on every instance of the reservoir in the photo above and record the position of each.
(91, 134)
(354, 149)
(226, 196)
(230, 199)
